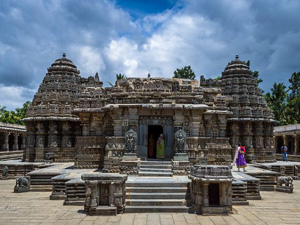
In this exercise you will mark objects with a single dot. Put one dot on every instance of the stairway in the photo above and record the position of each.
(156, 168)
(155, 190)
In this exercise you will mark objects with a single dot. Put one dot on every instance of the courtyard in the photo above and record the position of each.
(36, 208)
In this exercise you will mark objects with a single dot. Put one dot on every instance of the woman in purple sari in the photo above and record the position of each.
(240, 159)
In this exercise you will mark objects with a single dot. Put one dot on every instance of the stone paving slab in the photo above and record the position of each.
(36, 208)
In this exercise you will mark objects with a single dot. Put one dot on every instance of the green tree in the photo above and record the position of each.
(293, 99)
(14, 117)
(277, 101)
(185, 73)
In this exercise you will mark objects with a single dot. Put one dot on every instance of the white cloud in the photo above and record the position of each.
(14, 97)
(89, 59)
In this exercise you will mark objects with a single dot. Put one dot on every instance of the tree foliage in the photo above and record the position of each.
(285, 101)
(185, 73)
(14, 117)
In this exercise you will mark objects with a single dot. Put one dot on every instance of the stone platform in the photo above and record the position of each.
(32, 208)
(283, 168)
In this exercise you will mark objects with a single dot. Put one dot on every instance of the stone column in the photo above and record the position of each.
(222, 119)
(40, 142)
(23, 145)
(195, 124)
(296, 144)
(52, 138)
(15, 145)
(66, 135)
(205, 194)
(133, 118)
(285, 140)
(6, 143)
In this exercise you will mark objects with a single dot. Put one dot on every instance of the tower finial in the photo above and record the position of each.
(64, 55)
(237, 57)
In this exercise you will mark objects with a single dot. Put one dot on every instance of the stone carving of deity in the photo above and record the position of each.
(40, 141)
(130, 141)
(175, 86)
(180, 141)
(30, 141)
(53, 141)
(66, 141)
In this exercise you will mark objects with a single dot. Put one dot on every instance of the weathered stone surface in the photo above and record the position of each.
(105, 193)
(211, 189)
(22, 184)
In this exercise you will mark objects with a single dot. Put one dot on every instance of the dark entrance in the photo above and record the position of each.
(279, 143)
(153, 134)
(213, 194)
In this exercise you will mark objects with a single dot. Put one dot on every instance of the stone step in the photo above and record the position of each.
(155, 202)
(155, 209)
(155, 196)
(156, 189)
(156, 162)
(162, 166)
(156, 184)
(158, 170)
(156, 174)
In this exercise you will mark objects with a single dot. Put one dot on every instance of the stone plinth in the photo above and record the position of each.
(211, 189)
(105, 193)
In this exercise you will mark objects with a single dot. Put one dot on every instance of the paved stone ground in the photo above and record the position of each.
(36, 208)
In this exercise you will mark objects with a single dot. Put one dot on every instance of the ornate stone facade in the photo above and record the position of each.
(252, 121)
(211, 189)
(79, 120)
(12, 137)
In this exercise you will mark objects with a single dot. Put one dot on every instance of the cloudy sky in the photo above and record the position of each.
(139, 37)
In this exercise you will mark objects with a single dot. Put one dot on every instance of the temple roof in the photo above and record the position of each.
(63, 64)
(237, 67)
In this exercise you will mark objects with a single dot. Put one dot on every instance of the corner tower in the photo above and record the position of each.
(252, 121)
(51, 126)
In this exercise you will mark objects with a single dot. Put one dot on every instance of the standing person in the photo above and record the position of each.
(240, 161)
(284, 150)
(160, 147)
(151, 147)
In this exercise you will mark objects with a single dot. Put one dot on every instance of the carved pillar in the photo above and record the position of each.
(66, 135)
(85, 129)
(234, 134)
(285, 140)
(40, 141)
(15, 145)
(133, 118)
(195, 124)
(178, 120)
(52, 138)
(296, 144)
(6, 143)
(222, 125)
(208, 125)
(205, 194)
(23, 145)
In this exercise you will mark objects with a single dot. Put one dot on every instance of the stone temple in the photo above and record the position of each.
(77, 119)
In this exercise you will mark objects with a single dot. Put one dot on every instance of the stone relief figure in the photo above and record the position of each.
(130, 141)
(22, 184)
(175, 86)
(5, 172)
(180, 141)
(40, 141)
(66, 141)
(30, 140)
(53, 142)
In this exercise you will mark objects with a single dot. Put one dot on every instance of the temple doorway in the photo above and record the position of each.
(153, 134)
(213, 194)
